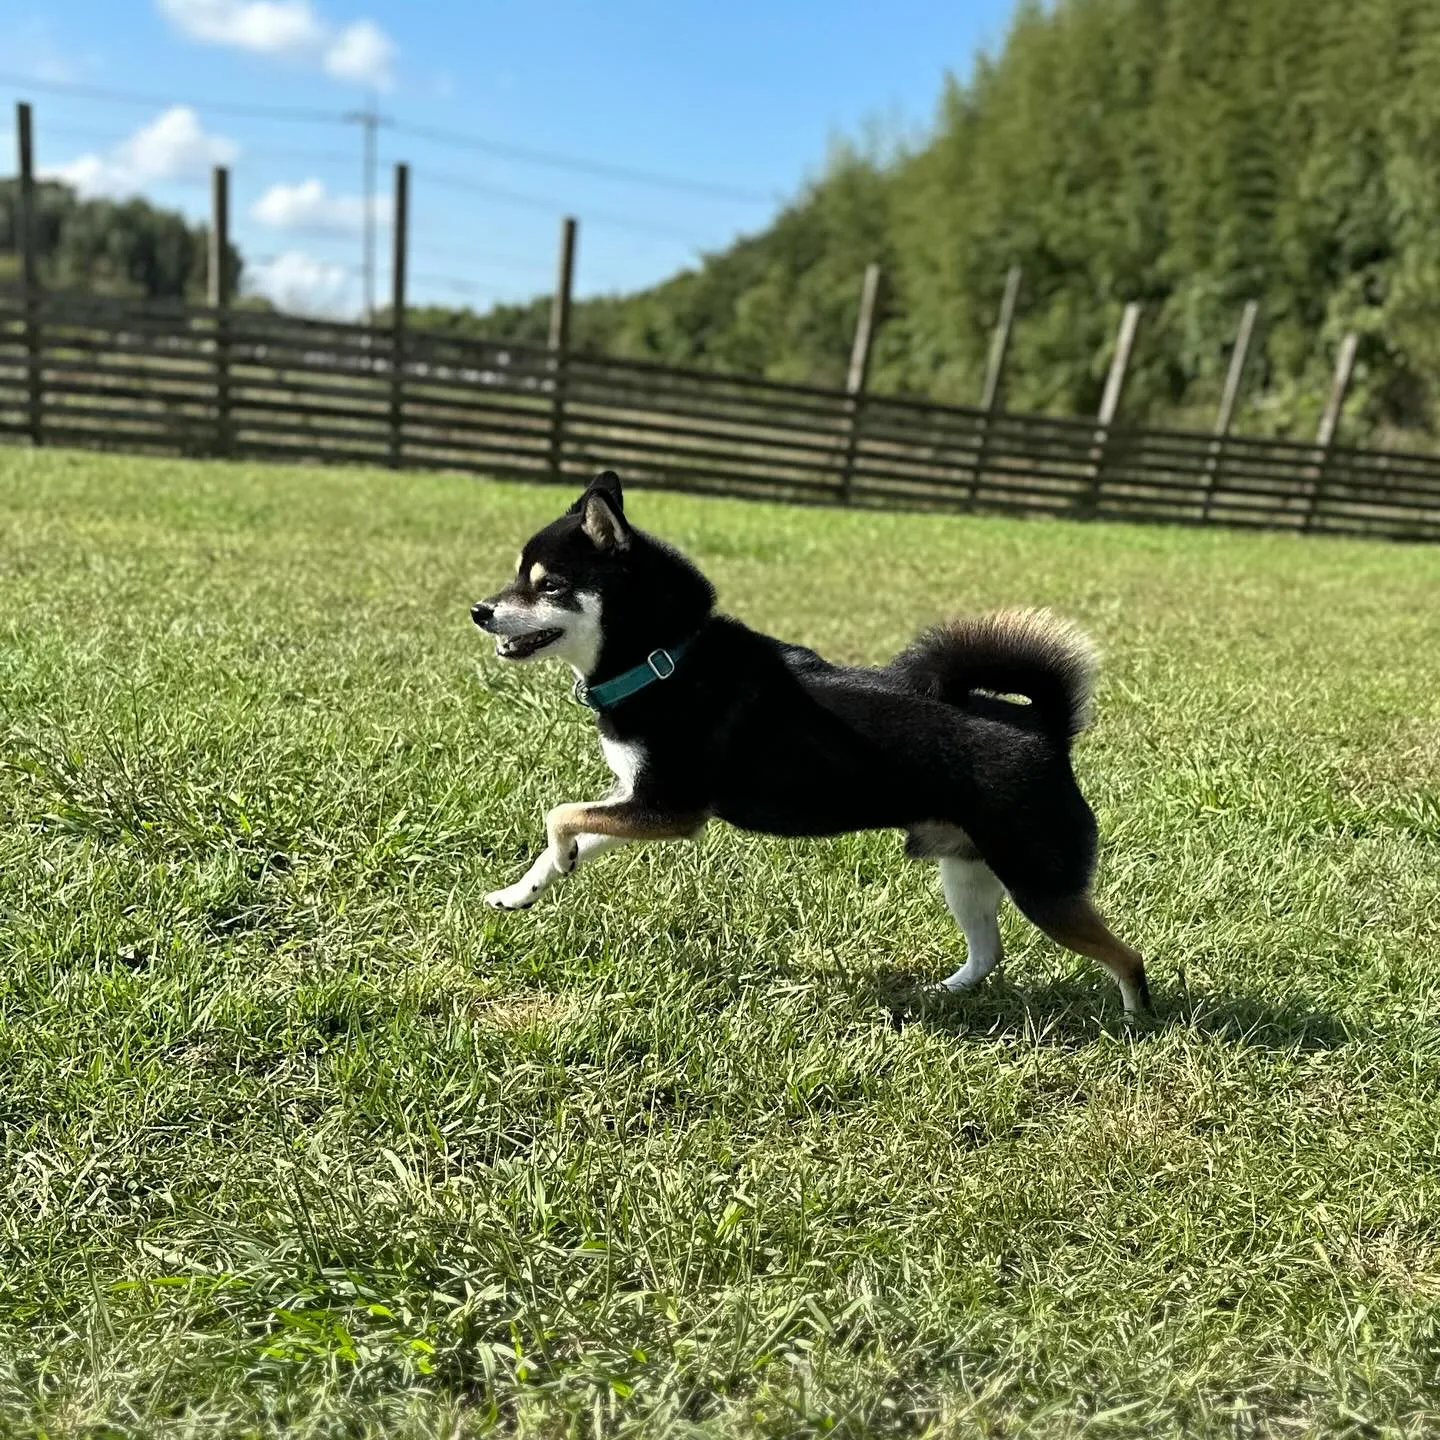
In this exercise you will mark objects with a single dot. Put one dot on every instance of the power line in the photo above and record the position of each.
(455, 283)
(454, 182)
(489, 259)
(352, 271)
(445, 255)
(506, 264)
(323, 157)
(510, 263)
(294, 113)
(81, 132)
(486, 262)
(596, 168)
(96, 136)
(578, 165)
(554, 207)
(475, 290)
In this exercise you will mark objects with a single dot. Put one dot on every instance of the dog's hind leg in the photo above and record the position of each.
(972, 891)
(1074, 922)
(973, 894)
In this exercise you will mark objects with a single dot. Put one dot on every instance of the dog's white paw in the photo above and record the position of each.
(520, 896)
(957, 984)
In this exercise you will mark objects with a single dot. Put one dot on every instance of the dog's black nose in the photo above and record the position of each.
(482, 614)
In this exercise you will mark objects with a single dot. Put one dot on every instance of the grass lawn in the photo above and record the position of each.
(298, 1137)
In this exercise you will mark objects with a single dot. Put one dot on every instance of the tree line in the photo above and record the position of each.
(1186, 154)
(114, 247)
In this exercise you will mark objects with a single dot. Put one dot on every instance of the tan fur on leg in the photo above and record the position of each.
(1076, 924)
(621, 819)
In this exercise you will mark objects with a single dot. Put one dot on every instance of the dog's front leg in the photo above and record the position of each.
(578, 833)
(619, 821)
(545, 872)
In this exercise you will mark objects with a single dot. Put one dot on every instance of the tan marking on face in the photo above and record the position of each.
(537, 573)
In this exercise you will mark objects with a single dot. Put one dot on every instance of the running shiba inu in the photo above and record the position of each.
(702, 718)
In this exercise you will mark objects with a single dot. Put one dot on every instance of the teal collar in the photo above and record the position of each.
(657, 665)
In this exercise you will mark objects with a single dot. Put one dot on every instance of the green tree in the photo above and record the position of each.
(126, 247)
(1188, 154)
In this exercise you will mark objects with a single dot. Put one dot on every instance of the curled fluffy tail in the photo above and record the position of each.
(1009, 652)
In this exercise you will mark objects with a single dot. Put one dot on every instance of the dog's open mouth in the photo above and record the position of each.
(521, 647)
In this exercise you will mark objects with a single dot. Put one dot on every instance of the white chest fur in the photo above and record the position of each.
(626, 760)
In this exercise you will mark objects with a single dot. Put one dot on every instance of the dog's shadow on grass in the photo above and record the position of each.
(1070, 1013)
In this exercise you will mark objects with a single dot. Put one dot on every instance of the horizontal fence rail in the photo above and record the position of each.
(135, 375)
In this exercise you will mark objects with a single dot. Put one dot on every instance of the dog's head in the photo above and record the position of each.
(589, 583)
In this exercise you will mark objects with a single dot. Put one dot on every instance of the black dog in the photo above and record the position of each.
(702, 718)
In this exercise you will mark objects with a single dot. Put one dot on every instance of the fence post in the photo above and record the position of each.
(399, 239)
(1214, 461)
(29, 279)
(858, 374)
(995, 377)
(1110, 401)
(218, 296)
(560, 343)
(1330, 422)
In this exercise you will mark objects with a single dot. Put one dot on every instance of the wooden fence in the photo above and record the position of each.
(217, 380)
(137, 376)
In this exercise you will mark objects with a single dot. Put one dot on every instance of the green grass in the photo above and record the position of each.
(299, 1137)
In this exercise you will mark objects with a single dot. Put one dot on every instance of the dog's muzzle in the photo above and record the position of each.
(522, 647)
(513, 639)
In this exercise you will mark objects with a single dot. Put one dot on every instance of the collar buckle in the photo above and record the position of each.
(659, 664)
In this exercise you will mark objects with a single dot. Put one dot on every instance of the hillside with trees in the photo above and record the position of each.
(111, 247)
(1187, 154)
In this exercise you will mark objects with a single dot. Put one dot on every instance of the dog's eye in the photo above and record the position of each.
(550, 585)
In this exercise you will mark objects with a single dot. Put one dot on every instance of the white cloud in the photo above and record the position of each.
(309, 206)
(362, 52)
(297, 281)
(290, 30)
(266, 27)
(173, 146)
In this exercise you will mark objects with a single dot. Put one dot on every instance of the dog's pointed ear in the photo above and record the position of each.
(606, 483)
(603, 521)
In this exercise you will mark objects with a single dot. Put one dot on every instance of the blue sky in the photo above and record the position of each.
(743, 98)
